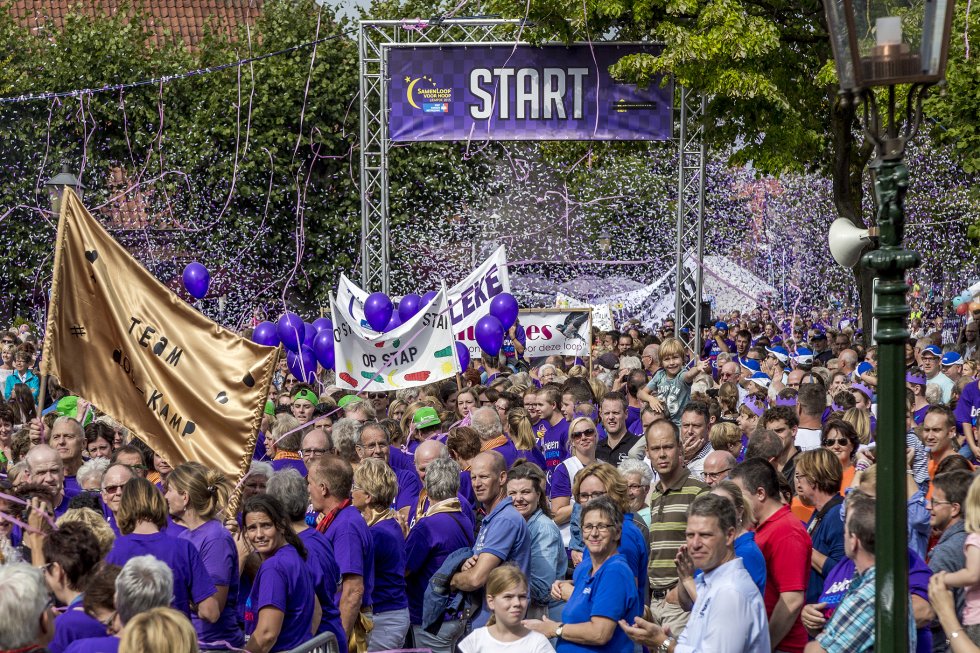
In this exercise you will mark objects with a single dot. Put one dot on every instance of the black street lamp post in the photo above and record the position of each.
(879, 43)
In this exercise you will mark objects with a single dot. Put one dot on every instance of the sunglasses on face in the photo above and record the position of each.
(829, 442)
(582, 433)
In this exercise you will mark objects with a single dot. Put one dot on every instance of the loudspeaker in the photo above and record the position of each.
(847, 242)
(706, 314)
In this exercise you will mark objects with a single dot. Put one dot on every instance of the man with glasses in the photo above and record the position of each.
(315, 444)
(669, 502)
(946, 516)
(112, 486)
(717, 465)
(730, 372)
(372, 442)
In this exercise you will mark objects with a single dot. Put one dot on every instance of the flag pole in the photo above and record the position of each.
(53, 303)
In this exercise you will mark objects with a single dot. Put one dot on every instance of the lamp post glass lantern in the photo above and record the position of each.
(57, 184)
(878, 43)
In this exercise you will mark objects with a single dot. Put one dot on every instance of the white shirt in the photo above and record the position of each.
(729, 615)
(807, 439)
(945, 384)
(481, 641)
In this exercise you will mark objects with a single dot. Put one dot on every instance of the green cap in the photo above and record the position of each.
(426, 417)
(270, 408)
(68, 407)
(346, 400)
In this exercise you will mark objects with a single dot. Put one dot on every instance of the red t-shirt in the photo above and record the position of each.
(786, 546)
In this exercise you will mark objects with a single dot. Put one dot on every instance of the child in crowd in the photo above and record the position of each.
(669, 390)
(507, 592)
(969, 577)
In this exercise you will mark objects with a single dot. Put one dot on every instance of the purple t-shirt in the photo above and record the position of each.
(94, 645)
(468, 515)
(389, 566)
(552, 443)
(72, 488)
(290, 463)
(838, 581)
(633, 422)
(409, 488)
(326, 582)
(429, 543)
(466, 487)
(968, 406)
(398, 459)
(509, 452)
(561, 484)
(220, 557)
(191, 580)
(353, 548)
(74, 624)
(283, 583)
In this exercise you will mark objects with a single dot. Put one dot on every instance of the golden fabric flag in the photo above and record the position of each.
(186, 386)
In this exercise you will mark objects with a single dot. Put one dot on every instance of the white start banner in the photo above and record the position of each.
(418, 352)
(557, 331)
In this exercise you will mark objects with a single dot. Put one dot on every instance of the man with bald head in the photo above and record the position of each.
(651, 359)
(729, 372)
(68, 439)
(717, 466)
(112, 486)
(503, 535)
(848, 362)
(316, 444)
(425, 454)
(45, 467)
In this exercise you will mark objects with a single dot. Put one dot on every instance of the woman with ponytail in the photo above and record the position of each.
(196, 496)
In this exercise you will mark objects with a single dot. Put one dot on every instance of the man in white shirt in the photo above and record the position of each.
(929, 360)
(729, 615)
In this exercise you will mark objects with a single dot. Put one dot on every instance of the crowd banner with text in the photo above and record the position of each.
(602, 317)
(556, 331)
(521, 92)
(189, 388)
(468, 300)
(418, 352)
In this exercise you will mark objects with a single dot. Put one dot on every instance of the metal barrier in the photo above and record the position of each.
(322, 643)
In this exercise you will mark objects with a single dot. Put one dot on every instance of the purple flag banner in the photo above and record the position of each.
(522, 93)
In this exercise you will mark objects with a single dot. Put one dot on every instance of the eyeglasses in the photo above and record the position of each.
(602, 528)
(930, 503)
(829, 442)
(633, 487)
(112, 489)
(312, 453)
(585, 497)
(719, 474)
(582, 433)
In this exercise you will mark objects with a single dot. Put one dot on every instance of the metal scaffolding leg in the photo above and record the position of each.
(374, 165)
(690, 214)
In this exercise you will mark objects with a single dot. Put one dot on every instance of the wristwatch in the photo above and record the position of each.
(664, 645)
(558, 630)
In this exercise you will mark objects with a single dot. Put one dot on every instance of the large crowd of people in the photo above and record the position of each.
(642, 497)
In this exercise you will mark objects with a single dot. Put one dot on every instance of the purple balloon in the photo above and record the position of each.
(302, 365)
(463, 354)
(322, 323)
(291, 330)
(394, 322)
(377, 310)
(264, 333)
(427, 297)
(309, 333)
(504, 308)
(323, 348)
(196, 280)
(490, 334)
(409, 306)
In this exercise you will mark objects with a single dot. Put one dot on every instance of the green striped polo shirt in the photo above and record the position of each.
(668, 523)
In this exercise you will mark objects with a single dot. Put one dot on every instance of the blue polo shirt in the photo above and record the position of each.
(828, 538)
(504, 534)
(633, 548)
(608, 593)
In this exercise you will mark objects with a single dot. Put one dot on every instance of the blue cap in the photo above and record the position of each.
(864, 368)
(761, 378)
(780, 353)
(803, 356)
(952, 358)
(750, 364)
(721, 326)
(933, 350)
(819, 335)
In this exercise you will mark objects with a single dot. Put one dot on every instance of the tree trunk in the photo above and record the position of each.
(849, 162)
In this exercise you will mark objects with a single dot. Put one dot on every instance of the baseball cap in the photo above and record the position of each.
(932, 350)
(347, 400)
(759, 377)
(863, 368)
(819, 335)
(721, 326)
(270, 408)
(425, 417)
(952, 358)
(608, 361)
(750, 364)
(803, 356)
(780, 353)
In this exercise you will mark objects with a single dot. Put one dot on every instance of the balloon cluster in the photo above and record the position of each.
(964, 301)
(490, 329)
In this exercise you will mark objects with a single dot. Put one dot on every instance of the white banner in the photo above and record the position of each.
(469, 300)
(557, 332)
(418, 352)
(602, 317)
(350, 299)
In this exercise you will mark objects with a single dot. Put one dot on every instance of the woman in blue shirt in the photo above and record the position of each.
(549, 562)
(601, 593)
